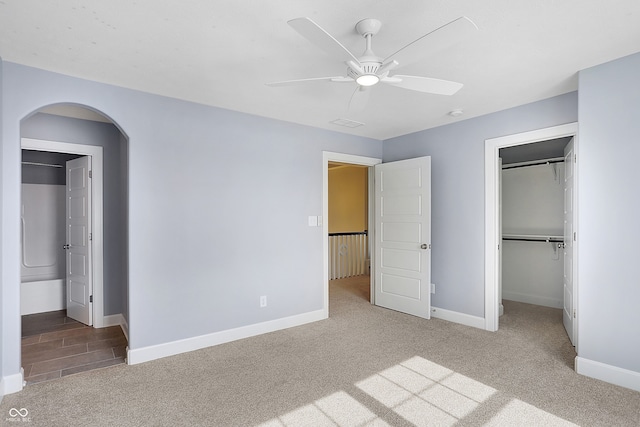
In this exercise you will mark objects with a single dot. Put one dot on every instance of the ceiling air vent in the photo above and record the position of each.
(347, 123)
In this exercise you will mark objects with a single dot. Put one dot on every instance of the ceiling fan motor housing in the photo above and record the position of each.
(367, 68)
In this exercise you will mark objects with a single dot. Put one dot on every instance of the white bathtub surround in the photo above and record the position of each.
(43, 259)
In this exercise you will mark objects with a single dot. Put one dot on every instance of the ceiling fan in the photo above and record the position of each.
(370, 69)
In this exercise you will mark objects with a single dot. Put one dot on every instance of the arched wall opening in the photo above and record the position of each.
(63, 131)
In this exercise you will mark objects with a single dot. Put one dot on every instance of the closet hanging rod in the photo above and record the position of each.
(49, 165)
(535, 239)
(533, 163)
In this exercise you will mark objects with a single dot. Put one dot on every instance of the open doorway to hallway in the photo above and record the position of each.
(348, 223)
(348, 211)
(348, 220)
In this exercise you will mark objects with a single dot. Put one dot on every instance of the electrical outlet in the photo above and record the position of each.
(263, 301)
(433, 288)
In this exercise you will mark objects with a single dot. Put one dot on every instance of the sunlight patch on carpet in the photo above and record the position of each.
(420, 391)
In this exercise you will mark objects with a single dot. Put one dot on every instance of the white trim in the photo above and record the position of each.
(153, 352)
(457, 317)
(531, 299)
(492, 232)
(12, 383)
(97, 176)
(112, 320)
(609, 373)
(328, 156)
(124, 325)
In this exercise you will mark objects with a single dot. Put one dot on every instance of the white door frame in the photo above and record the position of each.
(492, 229)
(97, 211)
(328, 156)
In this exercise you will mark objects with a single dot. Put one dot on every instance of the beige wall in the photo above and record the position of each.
(347, 199)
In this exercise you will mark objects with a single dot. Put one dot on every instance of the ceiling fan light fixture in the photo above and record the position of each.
(367, 80)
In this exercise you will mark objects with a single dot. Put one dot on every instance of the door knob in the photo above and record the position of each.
(66, 246)
(424, 246)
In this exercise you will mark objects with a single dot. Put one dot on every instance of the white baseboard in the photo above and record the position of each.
(532, 299)
(125, 327)
(112, 320)
(11, 383)
(609, 373)
(456, 317)
(116, 320)
(145, 354)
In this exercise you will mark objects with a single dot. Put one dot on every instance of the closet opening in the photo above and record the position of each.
(536, 226)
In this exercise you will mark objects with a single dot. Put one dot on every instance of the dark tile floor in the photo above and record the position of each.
(54, 345)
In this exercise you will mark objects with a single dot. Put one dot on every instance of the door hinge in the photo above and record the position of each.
(574, 313)
(575, 237)
(575, 158)
(90, 298)
(90, 236)
(90, 174)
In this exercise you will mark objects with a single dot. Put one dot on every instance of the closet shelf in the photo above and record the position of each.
(533, 237)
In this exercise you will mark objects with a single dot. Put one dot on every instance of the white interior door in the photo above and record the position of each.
(569, 307)
(500, 249)
(79, 274)
(403, 236)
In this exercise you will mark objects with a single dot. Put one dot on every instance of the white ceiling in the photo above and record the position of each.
(222, 53)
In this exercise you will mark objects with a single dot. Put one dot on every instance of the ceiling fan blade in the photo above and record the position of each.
(438, 39)
(359, 99)
(311, 80)
(318, 36)
(425, 84)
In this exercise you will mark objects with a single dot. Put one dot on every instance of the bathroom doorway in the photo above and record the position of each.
(53, 344)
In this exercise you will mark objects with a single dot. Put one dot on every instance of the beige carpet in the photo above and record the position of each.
(364, 366)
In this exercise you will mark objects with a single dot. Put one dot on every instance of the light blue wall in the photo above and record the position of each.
(218, 207)
(107, 136)
(609, 207)
(457, 195)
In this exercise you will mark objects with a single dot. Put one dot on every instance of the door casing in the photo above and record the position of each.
(492, 216)
(328, 156)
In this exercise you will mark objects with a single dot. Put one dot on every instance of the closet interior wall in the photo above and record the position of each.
(532, 229)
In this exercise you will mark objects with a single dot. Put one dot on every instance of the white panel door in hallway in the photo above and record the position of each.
(79, 274)
(403, 236)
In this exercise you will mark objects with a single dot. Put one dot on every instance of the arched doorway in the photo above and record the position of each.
(65, 131)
